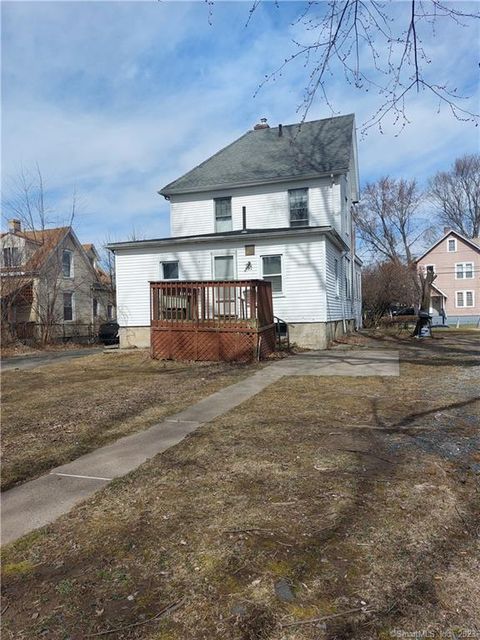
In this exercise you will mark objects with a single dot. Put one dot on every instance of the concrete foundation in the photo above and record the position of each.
(318, 335)
(309, 335)
(134, 337)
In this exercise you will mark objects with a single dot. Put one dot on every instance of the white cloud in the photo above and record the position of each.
(121, 98)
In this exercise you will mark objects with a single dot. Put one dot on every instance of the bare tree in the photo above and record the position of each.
(426, 280)
(456, 195)
(25, 202)
(386, 219)
(384, 284)
(377, 47)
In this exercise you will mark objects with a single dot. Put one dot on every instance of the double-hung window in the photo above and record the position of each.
(170, 270)
(11, 257)
(337, 277)
(272, 272)
(465, 299)
(67, 307)
(67, 266)
(348, 285)
(452, 245)
(298, 204)
(223, 268)
(223, 215)
(463, 270)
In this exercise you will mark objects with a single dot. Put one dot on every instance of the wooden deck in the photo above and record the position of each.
(212, 320)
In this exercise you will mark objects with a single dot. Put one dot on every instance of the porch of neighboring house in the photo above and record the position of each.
(437, 306)
(212, 320)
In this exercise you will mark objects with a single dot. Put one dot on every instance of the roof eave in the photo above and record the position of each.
(166, 192)
(250, 235)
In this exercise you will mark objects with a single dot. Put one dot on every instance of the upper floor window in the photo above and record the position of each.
(452, 244)
(170, 270)
(67, 306)
(67, 264)
(430, 268)
(272, 272)
(223, 215)
(11, 257)
(298, 204)
(94, 308)
(463, 270)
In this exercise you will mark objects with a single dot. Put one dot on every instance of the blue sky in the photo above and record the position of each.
(117, 99)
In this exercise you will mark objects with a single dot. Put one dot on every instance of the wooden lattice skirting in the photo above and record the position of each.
(210, 344)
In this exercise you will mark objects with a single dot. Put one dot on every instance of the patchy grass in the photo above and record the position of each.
(55, 413)
(361, 494)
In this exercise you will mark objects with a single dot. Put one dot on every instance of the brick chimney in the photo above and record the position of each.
(263, 124)
(446, 230)
(14, 225)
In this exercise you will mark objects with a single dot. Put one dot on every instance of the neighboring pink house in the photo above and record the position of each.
(456, 289)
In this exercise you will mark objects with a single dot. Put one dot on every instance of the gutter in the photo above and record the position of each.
(166, 192)
(214, 238)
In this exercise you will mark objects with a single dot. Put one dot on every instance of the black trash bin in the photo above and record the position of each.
(108, 333)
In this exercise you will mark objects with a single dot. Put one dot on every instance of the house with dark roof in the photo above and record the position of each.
(455, 295)
(52, 287)
(275, 205)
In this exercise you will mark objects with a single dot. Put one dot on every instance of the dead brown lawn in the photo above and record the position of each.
(361, 495)
(55, 413)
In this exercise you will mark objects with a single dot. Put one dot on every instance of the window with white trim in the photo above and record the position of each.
(348, 286)
(67, 307)
(430, 268)
(464, 299)
(451, 245)
(67, 264)
(170, 270)
(223, 214)
(337, 279)
(11, 257)
(463, 270)
(298, 205)
(272, 272)
(223, 267)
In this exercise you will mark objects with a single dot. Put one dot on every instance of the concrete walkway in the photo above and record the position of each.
(42, 359)
(39, 502)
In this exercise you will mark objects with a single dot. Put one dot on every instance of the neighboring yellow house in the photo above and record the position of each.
(52, 286)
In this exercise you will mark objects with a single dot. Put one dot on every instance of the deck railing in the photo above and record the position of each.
(231, 304)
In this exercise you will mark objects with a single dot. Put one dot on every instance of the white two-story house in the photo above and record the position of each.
(276, 204)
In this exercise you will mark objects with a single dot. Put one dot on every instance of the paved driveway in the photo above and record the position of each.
(342, 362)
(30, 362)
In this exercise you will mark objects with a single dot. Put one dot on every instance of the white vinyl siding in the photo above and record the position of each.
(304, 275)
(266, 206)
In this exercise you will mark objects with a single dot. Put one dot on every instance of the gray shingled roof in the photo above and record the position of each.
(262, 156)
